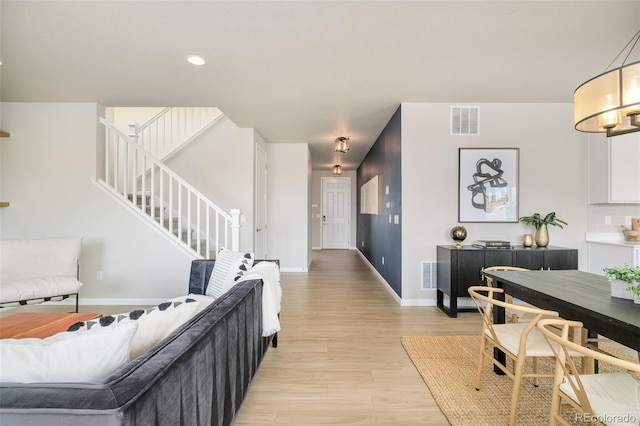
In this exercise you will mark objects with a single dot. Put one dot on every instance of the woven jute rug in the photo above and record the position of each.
(448, 365)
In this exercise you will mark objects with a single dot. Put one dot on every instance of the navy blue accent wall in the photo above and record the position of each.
(376, 237)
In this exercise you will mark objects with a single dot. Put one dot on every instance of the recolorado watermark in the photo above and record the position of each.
(606, 418)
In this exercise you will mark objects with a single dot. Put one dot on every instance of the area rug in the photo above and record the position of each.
(448, 365)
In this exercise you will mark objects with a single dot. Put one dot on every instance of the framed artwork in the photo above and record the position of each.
(369, 203)
(488, 184)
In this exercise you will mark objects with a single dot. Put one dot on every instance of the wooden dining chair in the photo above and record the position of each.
(512, 316)
(600, 399)
(518, 341)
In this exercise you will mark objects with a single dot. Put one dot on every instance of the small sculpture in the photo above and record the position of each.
(458, 234)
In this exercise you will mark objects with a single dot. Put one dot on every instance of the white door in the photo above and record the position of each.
(261, 204)
(336, 211)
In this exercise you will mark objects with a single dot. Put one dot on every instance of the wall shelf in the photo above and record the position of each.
(4, 134)
(4, 204)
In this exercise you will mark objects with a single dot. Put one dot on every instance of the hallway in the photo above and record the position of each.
(339, 359)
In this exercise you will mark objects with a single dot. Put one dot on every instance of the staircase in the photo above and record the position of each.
(140, 180)
(172, 128)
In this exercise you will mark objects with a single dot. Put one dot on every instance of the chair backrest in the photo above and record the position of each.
(489, 280)
(485, 301)
(565, 366)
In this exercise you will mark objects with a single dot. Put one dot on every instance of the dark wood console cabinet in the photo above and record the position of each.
(460, 268)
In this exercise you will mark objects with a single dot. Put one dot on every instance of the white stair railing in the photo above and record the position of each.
(168, 131)
(166, 199)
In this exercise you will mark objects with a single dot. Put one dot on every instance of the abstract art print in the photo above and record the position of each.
(488, 185)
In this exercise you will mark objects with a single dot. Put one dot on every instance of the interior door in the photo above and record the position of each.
(261, 204)
(336, 212)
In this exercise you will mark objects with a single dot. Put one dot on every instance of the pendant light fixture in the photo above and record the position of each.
(337, 170)
(341, 144)
(610, 102)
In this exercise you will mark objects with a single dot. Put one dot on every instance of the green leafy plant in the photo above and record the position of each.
(624, 273)
(635, 289)
(536, 220)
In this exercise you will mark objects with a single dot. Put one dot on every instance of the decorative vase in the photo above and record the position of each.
(527, 240)
(542, 236)
(619, 290)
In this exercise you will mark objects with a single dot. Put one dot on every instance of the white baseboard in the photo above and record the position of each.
(294, 269)
(418, 302)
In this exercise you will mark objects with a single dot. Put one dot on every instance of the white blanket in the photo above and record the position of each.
(269, 273)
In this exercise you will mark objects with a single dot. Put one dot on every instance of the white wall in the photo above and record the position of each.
(46, 170)
(220, 164)
(553, 177)
(288, 207)
(316, 198)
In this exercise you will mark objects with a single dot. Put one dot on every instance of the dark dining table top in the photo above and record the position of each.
(576, 295)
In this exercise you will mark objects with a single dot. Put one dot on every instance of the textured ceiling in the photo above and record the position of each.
(308, 71)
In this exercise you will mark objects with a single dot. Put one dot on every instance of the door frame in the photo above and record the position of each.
(260, 200)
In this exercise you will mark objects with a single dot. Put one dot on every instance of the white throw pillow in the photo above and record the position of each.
(158, 324)
(230, 266)
(89, 356)
(154, 323)
(203, 299)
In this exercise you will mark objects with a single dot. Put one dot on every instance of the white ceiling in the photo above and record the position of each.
(308, 71)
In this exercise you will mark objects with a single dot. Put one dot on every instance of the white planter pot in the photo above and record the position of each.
(636, 299)
(619, 289)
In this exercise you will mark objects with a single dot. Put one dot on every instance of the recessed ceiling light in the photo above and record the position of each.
(195, 60)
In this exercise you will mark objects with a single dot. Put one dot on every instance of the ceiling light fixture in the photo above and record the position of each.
(196, 60)
(341, 144)
(337, 169)
(610, 102)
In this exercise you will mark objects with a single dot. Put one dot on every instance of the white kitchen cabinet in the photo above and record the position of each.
(606, 255)
(614, 169)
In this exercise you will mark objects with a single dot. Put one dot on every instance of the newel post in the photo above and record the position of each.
(235, 229)
(133, 130)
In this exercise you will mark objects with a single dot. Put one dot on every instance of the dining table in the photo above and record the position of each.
(575, 295)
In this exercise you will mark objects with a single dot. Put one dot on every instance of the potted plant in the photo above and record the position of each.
(540, 223)
(624, 280)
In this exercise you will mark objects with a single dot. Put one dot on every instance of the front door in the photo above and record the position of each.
(336, 212)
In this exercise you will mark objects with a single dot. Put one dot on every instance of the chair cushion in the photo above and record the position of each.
(614, 397)
(509, 336)
(38, 288)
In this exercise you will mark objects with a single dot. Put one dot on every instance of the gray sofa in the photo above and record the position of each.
(199, 375)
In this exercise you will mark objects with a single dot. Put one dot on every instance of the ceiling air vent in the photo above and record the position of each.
(465, 120)
(429, 273)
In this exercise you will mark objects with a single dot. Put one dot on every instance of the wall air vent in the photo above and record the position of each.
(429, 274)
(465, 120)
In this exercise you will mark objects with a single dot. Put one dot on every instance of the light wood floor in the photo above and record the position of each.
(339, 360)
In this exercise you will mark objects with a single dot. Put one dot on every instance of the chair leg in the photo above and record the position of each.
(483, 347)
(517, 382)
(535, 370)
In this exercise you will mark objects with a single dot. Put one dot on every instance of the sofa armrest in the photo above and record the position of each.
(199, 275)
(201, 272)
